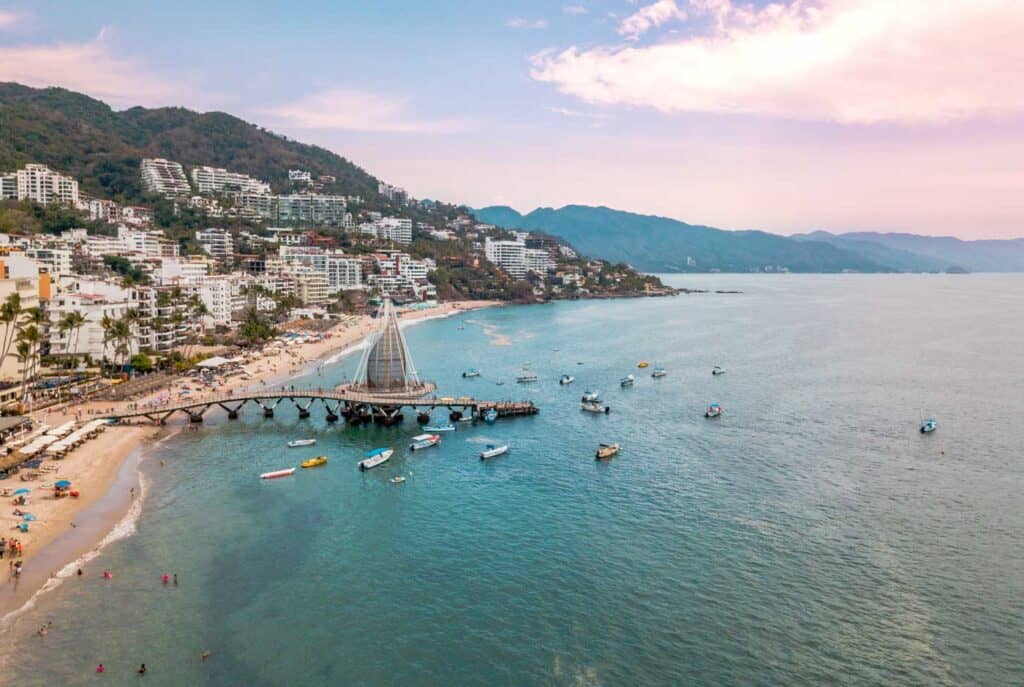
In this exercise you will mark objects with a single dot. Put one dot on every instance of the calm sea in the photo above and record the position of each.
(810, 536)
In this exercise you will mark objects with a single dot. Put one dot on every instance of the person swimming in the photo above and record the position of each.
(166, 578)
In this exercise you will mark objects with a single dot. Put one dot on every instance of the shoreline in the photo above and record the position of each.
(107, 467)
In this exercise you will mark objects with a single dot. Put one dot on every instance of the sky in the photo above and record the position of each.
(787, 116)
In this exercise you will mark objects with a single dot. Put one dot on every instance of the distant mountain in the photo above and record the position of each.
(85, 138)
(660, 244)
(896, 258)
(975, 256)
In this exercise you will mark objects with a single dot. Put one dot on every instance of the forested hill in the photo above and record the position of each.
(85, 138)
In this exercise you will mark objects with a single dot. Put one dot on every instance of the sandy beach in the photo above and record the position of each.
(93, 467)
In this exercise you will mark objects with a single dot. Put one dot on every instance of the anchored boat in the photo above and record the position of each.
(421, 441)
(301, 442)
(375, 457)
(642, 364)
(929, 425)
(491, 416)
(566, 379)
(714, 410)
(492, 451)
(471, 372)
(606, 451)
(526, 378)
(627, 381)
(591, 397)
(595, 407)
(659, 372)
(716, 370)
(314, 462)
(278, 473)
(439, 428)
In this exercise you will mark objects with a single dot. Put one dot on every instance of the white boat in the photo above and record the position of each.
(421, 441)
(398, 479)
(375, 457)
(301, 442)
(526, 378)
(628, 380)
(439, 428)
(714, 410)
(566, 379)
(928, 426)
(591, 397)
(595, 407)
(716, 370)
(472, 372)
(659, 372)
(278, 473)
(606, 451)
(492, 451)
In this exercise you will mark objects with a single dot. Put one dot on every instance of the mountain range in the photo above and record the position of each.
(660, 244)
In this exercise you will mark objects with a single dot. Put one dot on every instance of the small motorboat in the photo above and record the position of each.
(659, 372)
(491, 416)
(471, 372)
(467, 418)
(439, 428)
(714, 410)
(566, 379)
(526, 378)
(716, 370)
(595, 407)
(929, 425)
(314, 462)
(591, 397)
(626, 381)
(500, 383)
(421, 441)
(278, 473)
(461, 327)
(398, 479)
(606, 451)
(492, 451)
(642, 364)
(375, 457)
(301, 442)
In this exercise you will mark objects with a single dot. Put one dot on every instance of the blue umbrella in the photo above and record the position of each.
(22, 491)
(62, 484)
(29, 517)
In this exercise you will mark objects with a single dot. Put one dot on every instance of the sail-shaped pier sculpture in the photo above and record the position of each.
(386, 368)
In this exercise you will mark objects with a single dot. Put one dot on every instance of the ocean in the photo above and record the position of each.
(810, 535)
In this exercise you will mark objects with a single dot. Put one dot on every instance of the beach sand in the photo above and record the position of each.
(93, 468)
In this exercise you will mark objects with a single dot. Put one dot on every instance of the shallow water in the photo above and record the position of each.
(811, 535)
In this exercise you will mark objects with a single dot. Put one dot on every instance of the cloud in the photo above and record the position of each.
(649, 17)
(848, 61)
(576, 114)
(520, 23)
(8, 19)
(355, 110)
(88, 67)
(574, 10)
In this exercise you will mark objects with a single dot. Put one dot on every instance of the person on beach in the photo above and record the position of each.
(175, 579)
(3, 547)
(142, 669)
(166, 578)
(100, 669)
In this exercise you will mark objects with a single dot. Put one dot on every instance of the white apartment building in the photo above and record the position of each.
(217, 294)
(343, 273)
(311, 207)
(393, 193)
(310, 286)
(149, 243)
(164, 177)
(216, 180)
(508, 255)
(94, 299)
(537, 260)
(299, 175)
(104, 211)
(256, 205)
(191, 270)
(39, 184)
(56, 260)
(216, 242)
(395, 229)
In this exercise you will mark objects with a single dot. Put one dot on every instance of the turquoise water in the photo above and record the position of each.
(809, 536)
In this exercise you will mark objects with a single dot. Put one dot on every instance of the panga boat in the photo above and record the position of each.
(526, 378)
(314, 462)
(491, 416)
(278, 473)
(439, 428)
(421, 441)
(659, 372)
(714, 410)
(716, 370)
(642, 364)
(471, 372)
(301, 442)
(566, 379)
(606, 451)
(397, 479)
(591, 397)
(375, 457)
(929, 425)
(595, 407)
(491, 451)
(627, 381)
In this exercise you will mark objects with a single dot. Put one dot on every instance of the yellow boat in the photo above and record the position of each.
(315, 462)
(642, 363)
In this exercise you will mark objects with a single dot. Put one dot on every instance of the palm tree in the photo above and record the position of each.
(76, 321)
(10, 313)
(24, 353)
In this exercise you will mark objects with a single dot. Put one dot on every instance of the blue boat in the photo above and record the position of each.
(929, 425)
(490, 416)
(439, 428)
(714, 410)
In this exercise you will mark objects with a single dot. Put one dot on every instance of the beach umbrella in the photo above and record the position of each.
(29, 517)
(62, 484)
(21, 491)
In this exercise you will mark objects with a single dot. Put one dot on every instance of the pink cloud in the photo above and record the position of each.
(355, 110)
(850, 61)
(649, 17)
(7, 19)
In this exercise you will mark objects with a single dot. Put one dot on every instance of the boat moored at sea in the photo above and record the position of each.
(375, 457)
(642, 364)
(278, 473)
(659, 372)
(301, 442)
(591, 397)
(471, 372)
(714, 410)
(422, 441)
(314, 462)
(526, 377)
(929, 426)
(397, 479)
(595, 407)
(491, 416)
(566, 379)
(716, 370)
(606, 451)
(434, 429)
(627, 381)
(493, 451)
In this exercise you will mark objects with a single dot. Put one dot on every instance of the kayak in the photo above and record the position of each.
(314, 462)
(278, 473)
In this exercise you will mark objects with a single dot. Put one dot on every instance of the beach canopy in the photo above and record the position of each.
(215, 361)
(23, 490)
(62, 484)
